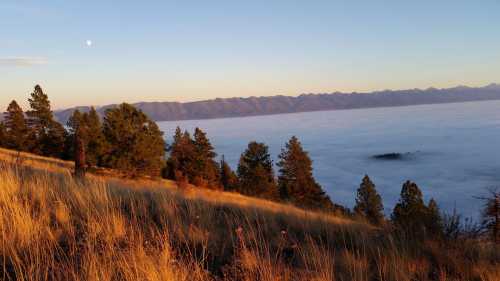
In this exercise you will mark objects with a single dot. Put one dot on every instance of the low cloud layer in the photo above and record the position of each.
(22, 61)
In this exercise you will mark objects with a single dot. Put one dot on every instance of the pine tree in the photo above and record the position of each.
(207, 170)
(491, 215)
(255, 172)
(16, 129)
(296, 182)
(410, 214)
(136, 143)
(181, 164)
(40, 115)
(91, 134)
(49, 136)
(53, 145)
(369, 203)
(96, 145)
(169, 172)
(228, 177)
(434, 221)
(74, 122)
(177, 135)
(80, 162)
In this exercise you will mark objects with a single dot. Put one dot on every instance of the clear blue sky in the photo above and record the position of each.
(193, 50)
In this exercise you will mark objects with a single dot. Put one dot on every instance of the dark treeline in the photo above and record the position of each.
(127, 140)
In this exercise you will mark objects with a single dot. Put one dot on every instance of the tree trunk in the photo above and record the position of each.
(80, 162)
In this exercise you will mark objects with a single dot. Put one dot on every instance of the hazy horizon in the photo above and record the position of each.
(56, 108)
(165, 51)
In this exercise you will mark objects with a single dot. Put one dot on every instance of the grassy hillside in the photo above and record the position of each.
(106, 228)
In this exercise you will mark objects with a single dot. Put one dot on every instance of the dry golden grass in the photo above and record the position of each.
(35, 161)
(55, 228)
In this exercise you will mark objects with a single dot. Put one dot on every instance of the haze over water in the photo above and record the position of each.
(455, 148)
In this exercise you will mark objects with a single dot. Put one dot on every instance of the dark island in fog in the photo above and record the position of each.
(239, 107)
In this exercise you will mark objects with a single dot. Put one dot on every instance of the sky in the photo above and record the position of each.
(97, 52)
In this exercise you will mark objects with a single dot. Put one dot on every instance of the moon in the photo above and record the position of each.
(89, 43)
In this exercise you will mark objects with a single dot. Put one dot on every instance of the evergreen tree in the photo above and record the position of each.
(413, 216)
(369, 202)
(409, 212)
(207, 170)
(80, 162)
(77, 129)
(169, 172)
(296, 182)
(53, 145)
(96, 145)
(434, 221)
(49, 136)
(228, 177)
(181, 163)
(16, 129)
(255, 172)
(75, 121)
(90, 133)
(136, 143)
(40, 115)
(491, 215)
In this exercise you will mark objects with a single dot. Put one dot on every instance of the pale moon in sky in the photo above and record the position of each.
(89, 43)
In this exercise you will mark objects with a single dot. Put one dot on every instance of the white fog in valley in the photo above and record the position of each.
(454, 149)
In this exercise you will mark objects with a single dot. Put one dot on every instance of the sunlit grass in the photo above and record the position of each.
(107, 228)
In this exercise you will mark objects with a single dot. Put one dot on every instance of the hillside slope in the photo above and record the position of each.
(237, 107)
(106, 228)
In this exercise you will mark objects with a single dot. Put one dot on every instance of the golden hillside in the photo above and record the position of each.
(107, 228)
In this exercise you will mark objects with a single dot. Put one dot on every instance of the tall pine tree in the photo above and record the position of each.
(75, 121)
(91, 134)
(169, 171)
(255, 172)
(16, 129)
(78, 131)
(369, 203)
(207, 170)
(136, 143)
(412, 215)
(49, 136)
(53, 144)
(409, 213)
(181, 164)
(96, 142)
(434, 222)
(79, 155)
(296, 181)
(40, 115)
(491, 215)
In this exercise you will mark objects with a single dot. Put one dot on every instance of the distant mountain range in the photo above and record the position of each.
(238, 107)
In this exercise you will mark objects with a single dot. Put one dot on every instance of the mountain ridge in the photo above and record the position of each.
(307, 102)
